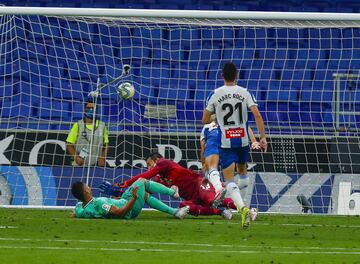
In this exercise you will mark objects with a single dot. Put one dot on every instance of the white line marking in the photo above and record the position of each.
(8, 227)
(216, 221)
(155, 243)
(184, 250)
(33, 185)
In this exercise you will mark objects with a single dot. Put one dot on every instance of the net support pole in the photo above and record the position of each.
(95, 96)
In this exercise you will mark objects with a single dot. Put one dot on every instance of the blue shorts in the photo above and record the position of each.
(211, 148)
(237, 156)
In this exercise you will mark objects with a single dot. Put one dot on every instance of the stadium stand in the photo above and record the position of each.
(282, 82)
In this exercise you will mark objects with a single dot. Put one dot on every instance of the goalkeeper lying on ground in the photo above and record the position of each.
(128, 206)
(196, 191)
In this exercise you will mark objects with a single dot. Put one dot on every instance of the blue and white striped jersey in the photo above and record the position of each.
(231, 105)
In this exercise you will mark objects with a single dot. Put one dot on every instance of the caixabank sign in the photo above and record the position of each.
(35, 170)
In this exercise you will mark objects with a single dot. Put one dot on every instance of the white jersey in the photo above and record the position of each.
(231, 105)
(208, 129)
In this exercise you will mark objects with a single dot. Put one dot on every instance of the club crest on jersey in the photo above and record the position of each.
(235, 133)
(106, 207)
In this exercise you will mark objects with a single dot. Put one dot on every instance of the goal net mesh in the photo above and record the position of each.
(304, 75)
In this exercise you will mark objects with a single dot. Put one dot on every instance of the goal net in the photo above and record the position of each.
(302, 69)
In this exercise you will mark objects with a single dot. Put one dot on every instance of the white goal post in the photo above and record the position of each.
(303, 69)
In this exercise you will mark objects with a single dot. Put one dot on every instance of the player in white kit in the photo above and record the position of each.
(210, 150)
(230, 103)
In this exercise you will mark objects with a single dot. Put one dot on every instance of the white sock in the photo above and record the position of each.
(214, 177)
(243, 182)
(234, 193)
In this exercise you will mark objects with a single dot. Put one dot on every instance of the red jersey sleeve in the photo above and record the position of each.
(160, 167)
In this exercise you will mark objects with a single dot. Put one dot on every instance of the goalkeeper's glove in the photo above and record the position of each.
(110, 189)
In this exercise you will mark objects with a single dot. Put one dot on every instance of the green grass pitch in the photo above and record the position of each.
(49, 236)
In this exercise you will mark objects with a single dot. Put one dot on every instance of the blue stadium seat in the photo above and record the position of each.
(49, 110)
(98, 54)
(125, 52)
(82, 70)
(31, 50)
(149, 36)
(301, 58)
(167, 93)
(128, 111)
(76, 111)
(63, 52)
(161, 53)
(78, 31)
(275, 116)
(145, 74)
(328, 118)
(200, 95)
(199, 7)
(217, 34)
(177, 54)
(184, 34)
(46, 30)
(281, 92)
(145, 92)
(63, 89)
(34, 92)
(111, 36)
(302, 79)
(340, 59)
(316, 96)
(9, 88)
(15, 109)
(356, 100)
(189, 111)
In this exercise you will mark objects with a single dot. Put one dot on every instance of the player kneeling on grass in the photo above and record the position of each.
(128, 206)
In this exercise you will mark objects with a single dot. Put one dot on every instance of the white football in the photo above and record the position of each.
(125, 90)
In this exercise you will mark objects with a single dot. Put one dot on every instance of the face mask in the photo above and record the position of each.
(89, 113)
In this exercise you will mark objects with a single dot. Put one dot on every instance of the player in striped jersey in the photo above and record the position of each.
(230, 103)
(210, 149)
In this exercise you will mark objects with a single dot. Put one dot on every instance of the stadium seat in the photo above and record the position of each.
(97, 54)
(76, 111)
(281, 92)
(82, 70)
(189, 111)
(33, 92)
(79, 31)
(52, 110)
(151, 37)
(15, 109)
(275, 117)
(126, 111)
(340, 59)
(161, 53)
(63, 52)
(9, 88)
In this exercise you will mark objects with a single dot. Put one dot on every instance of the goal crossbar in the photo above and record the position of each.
(196, 14)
